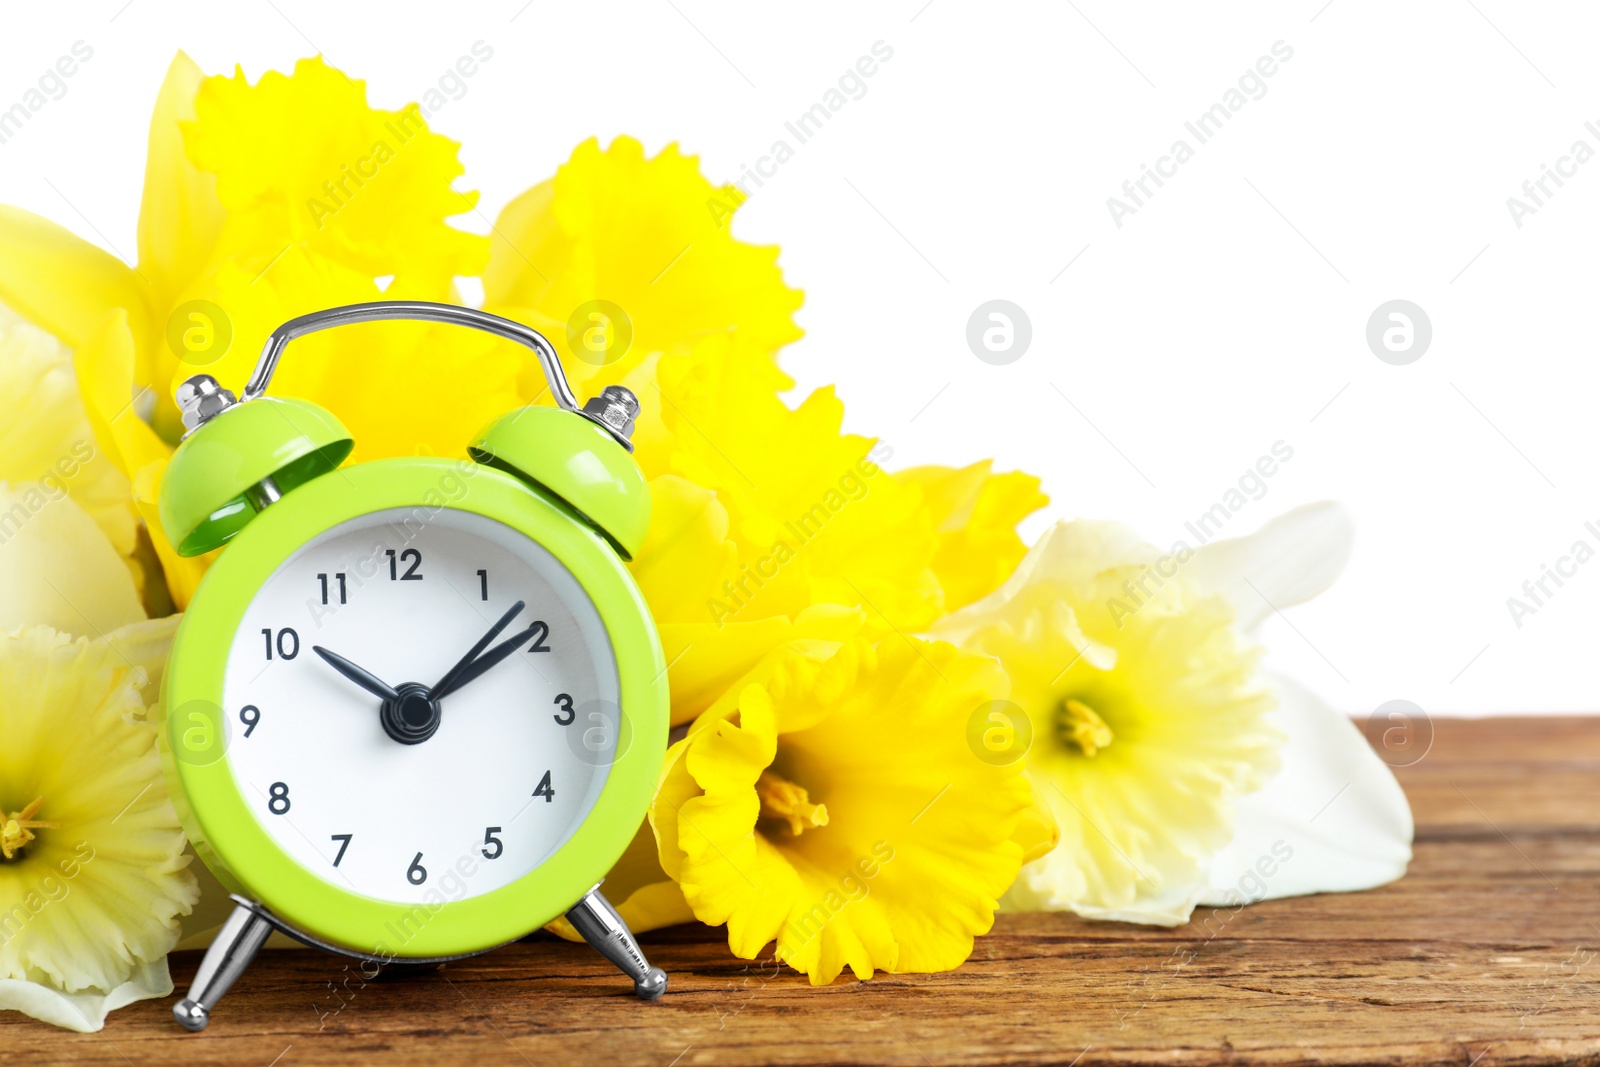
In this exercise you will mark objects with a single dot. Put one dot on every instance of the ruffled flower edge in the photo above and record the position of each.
(85, 1012)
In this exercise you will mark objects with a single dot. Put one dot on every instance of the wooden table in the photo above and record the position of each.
(1487, 953)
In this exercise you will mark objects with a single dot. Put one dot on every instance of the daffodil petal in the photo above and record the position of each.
(650, 907)
(975, 514)
(641, 234)
(686, 553)
(180, 220)
(816, 519)
(1186, 722)
(303, 159)
(57, 567)
(200, 927)
(675, 788)
(46, 434)
(1288, 561)
(705, 659)
(1037, 833)
(918, 840)
(105, 366)
(183, 573)
(640, 891)
(85, 1012)
(180, 217)
(1332, 820)
(61, 282)
(1072, 553)
(98, 891)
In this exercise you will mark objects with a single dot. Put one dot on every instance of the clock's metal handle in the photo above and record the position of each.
(613, 409)
(424, 310)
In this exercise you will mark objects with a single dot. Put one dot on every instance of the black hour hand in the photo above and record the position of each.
(362, 677)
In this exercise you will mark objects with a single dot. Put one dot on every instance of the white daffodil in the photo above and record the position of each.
(93, 872)
(1179, 773)
(67, 522)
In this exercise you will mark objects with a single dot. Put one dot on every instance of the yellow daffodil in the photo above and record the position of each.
(616, 232)
(1147, 717)
(302, 161)
(681, 569)
(830, 802)
(262, 202)
(814, 517)
(92, 864)
(771, 524)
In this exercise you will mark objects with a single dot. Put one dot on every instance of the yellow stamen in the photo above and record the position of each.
(1078, 725)
(17, 830)
(783, 800)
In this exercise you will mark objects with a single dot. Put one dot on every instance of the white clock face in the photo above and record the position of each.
(517, 756)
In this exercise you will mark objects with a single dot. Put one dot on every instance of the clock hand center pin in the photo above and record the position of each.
(410, 712)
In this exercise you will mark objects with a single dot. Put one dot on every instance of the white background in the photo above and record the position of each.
(1227, 314)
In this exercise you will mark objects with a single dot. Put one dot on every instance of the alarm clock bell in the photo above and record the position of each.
(242, 455)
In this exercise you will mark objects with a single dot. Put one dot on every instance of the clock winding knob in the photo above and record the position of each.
(200, 399)
(615, 408)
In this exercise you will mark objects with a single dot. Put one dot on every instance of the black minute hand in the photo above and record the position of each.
(489, 659)
(453, 678)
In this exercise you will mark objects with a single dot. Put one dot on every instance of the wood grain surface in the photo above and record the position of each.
(1487, 953)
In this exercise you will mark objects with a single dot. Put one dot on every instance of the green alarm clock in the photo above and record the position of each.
(416, 708)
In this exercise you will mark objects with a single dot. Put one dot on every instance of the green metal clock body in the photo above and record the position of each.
(233, 817)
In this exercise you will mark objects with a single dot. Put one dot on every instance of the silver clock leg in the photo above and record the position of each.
(236, 945)
(607, 934)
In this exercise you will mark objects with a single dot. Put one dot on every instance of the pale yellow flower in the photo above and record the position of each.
(68, 546)
(56, 566)
(93, 878)
(45, 436)
(1147, 717)
(1180, 773)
